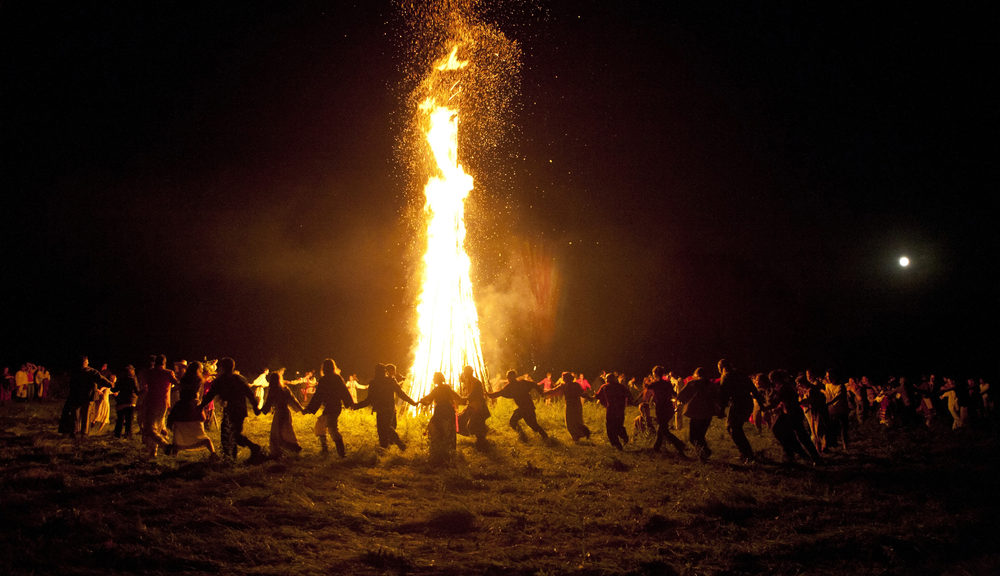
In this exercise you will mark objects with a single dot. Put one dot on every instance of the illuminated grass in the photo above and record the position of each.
(899, 503)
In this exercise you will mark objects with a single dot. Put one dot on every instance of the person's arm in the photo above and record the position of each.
(496, 394)
(268, 404)
(554, 391)
(293, 402)
(403, 395)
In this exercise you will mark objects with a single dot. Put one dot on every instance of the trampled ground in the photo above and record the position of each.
(918, 502)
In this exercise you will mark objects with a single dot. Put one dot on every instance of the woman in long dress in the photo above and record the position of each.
(186, 419)
(443, 425)
(280, 399)
(102, 407)
(573, 392)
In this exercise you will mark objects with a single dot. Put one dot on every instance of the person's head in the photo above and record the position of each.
(161, 361)
(698, 373)
(779, 376)
(273, 379)
(724, 366)
(227, 365)
(438, 378)
(511, 375)
(328, 367)
(659, 372)
(130, 370)
(380, 370)
(84, 361)
(390, 370)
(567, 377)
(611, 378)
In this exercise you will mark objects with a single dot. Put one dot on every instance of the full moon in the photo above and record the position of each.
(904, 261)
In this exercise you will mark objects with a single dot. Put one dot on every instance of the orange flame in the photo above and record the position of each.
(448, 323)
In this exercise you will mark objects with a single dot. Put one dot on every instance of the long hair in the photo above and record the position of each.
(329, 367)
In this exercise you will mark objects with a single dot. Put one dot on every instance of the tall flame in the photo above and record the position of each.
(447, 320)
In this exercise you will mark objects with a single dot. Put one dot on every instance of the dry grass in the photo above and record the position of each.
(898, 503)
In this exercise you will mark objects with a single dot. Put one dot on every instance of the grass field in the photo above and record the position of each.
(916, 502)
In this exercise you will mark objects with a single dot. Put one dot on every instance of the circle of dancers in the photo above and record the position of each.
(807, 414)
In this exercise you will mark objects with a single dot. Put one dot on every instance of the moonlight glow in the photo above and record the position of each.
(904, 261)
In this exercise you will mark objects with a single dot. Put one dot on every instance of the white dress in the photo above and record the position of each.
(102, 411)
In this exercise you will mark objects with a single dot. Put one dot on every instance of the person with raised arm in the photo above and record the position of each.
(382, 393)
(572, 390)
(519, 390)
(614, 396)
(333, 396)
(233, 389)
(443, 425)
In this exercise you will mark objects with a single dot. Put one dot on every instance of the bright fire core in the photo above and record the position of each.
(447, 321)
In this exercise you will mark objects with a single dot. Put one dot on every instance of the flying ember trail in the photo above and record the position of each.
(447, 323)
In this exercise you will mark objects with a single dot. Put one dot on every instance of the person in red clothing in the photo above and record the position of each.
(700, 397)
(155, 402)
(615, 397)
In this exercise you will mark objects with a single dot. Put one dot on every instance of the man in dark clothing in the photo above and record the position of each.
(331, 393)
(615, 396)
(663, 401)
(737, 392)
(126, 391)
(232, 388)
(382, 393)
(519, 390)
(700, 397)
(788, 424)
(83, 385)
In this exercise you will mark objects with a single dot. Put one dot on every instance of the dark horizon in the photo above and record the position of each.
(701, 183)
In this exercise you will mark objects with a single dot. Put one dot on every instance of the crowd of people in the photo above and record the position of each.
(808, 415)
(30, 382)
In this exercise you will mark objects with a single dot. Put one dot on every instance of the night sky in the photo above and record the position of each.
(690, 182)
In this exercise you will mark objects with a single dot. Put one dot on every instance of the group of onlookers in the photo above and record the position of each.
(30, 382)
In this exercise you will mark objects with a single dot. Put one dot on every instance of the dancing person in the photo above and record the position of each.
(472, 420)
(233, 389)
(838, 407)
(443, 425)
(700, 397)
(787, 418)
(156, 400)
(83, 388)
(813, 400)
(382, 393)
(614, 396)
(187, 417)
(738, 393)
(572, 391)
(519, 390)
(102, 405)
(643, 424)
(126, 392)
(281, 400)
(333, 396)
(662, 391)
